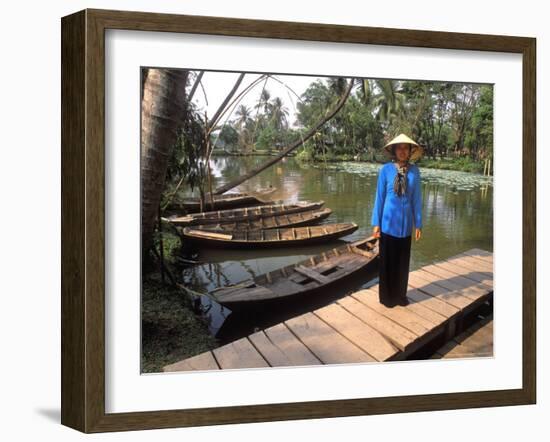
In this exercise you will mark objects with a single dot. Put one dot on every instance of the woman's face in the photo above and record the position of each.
(402, 151)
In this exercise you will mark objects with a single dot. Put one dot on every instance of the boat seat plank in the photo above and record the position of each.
(306, 271)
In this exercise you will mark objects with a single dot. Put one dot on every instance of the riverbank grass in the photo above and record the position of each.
(171, 329)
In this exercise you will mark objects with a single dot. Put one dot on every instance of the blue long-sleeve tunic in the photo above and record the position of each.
(395, 214)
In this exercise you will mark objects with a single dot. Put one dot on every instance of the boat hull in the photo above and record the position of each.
(228, 240)
(302, 279)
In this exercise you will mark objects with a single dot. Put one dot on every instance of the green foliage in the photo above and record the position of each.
(464, 164)
(228, 138)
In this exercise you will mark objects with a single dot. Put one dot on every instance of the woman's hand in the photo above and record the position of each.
(376, 232)
(418, 234)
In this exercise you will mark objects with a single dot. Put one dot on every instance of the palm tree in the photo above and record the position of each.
(162, 107)
(242, 122)
(279, 114)
(390, 102)
(263, 101)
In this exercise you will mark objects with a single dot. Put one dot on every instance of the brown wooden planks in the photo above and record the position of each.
(423, 282)
(426, 306)
(270, 352)
(357, 328)
(430, 302)
(290, 345)
(323, 341)
(448, 275)
(478, 277)
(239, 354)
(396, 334)
(467, 263)
(357, 331)
(202, 361)
(310, 273)
(399, 314)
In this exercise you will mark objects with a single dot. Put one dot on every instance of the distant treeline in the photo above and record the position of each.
(450, 120)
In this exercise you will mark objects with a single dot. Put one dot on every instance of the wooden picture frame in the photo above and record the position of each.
(83, 219)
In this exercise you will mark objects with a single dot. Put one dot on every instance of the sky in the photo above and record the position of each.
(218, 84)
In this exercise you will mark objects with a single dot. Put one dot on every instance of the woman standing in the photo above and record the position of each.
(398, 204)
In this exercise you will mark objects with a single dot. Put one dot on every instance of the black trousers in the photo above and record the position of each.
(394, 259)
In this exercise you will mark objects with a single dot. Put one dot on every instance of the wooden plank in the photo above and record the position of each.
(464, 298)
(360, 333)
(270, 352)
(208, 234)
(397, 335)
(433, 310)
(480, 256)
(447, 275)
(434, 279)
(476, 276)
(436, 305)
(312, 274)
(290, 345)
(362, 252)
(239, 354)
(469, 263)
(442, 293)
(399, 314)
(480, 252)
(324, 342)
(202, 361)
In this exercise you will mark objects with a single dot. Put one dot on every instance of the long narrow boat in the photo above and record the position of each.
(270, 238)
(304, 278)
(246, 213)
(298, 219)
(221, 202)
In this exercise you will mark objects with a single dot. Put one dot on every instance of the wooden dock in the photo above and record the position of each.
(357, 328)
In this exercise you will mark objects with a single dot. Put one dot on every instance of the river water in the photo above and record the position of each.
(457, 215)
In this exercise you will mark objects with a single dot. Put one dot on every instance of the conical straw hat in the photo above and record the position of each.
(416, 149)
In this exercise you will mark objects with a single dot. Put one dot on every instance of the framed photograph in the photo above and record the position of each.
(267, 220)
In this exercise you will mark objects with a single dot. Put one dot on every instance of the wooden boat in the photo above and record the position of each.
(304, 278)
(246, 213)
(285, 237)
(221, 202)
(298, 219)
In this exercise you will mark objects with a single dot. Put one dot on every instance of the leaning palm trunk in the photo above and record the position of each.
(162, 108)
(291, 147)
